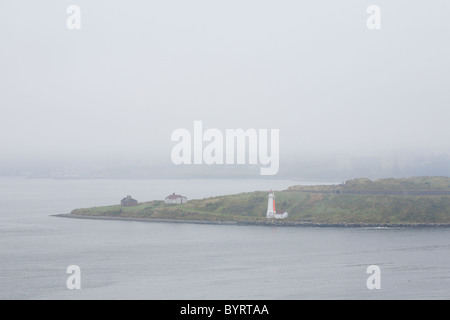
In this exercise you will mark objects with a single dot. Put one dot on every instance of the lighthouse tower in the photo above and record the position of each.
(271, 212)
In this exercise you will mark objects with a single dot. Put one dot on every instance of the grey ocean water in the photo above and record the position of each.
(132, 260)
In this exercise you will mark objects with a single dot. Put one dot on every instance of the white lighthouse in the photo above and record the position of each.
(271, 211)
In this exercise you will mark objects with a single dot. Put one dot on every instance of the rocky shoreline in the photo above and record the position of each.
(271, 223)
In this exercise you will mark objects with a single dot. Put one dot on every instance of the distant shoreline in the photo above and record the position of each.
(269, 223)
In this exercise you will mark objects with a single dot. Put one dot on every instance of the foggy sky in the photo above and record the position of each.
(137, 70)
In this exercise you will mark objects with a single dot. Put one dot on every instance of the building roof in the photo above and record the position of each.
(128, 198)
(174, 196)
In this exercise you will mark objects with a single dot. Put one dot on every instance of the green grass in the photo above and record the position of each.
(384, 185)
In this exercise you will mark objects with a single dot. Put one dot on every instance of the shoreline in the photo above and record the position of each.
(268, 223)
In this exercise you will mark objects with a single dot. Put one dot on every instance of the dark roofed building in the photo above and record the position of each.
(128, 202)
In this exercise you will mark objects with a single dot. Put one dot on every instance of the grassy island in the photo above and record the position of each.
(359, 202)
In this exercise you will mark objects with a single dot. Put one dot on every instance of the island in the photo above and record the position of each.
(402, 202)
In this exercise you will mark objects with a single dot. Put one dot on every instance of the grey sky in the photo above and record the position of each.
(137, 70)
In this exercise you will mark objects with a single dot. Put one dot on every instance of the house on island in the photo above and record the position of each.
(175, 199)
(128, 202)
(272, 213)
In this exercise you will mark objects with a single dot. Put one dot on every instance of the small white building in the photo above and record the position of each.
(272, 213)
(175, 199)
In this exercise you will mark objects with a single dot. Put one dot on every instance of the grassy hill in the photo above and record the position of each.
(426, 185)
(312, 204)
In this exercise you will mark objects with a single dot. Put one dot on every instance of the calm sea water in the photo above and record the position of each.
(132, 260)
